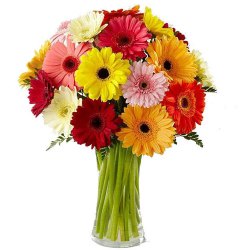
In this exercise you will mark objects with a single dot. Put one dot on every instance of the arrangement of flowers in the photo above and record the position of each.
(127, 84)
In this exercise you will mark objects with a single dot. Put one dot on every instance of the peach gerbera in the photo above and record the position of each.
(62, 61)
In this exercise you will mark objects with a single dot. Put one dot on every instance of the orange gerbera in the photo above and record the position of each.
(185, 103)
(173, 58)
(148, 131)
(134, 12)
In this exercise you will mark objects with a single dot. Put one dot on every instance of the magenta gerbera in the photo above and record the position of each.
(125, 34)
(144, 87)
(62, 61)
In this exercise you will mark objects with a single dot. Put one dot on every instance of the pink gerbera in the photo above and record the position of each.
(144, 87)
(62, 61)
(61, 34)
(125, 34)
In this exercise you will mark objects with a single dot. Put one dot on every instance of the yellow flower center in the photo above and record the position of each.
(64, 111)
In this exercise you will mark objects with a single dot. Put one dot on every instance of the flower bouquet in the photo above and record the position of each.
(126, 84)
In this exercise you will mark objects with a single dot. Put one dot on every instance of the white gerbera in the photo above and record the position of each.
(85, 28)
(59, 113)
(203, 74)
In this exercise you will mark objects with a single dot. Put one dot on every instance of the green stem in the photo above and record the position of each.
(103, 168)
(104, 218)
(117, 195)
(98, 159)
(126, 213)
(111, 184)
(103, 195)
(132, 199)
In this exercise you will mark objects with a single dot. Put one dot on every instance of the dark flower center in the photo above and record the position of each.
(103, 73)
(167, 65)
(123, 40)
(70, 64)
(144, 128)
(184, 102)
(143, 85)
(96, 122)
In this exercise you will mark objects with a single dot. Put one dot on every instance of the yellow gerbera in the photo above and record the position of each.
(34, 64)
(148, 130)
(155, 25)
(37, 61)
(24, 78)
(101, 73)
(172, 57)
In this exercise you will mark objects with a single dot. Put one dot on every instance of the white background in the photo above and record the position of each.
(191, 198)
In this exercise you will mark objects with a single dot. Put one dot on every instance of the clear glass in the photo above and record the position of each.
(118, 220)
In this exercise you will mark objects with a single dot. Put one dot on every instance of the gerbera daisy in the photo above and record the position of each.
(34, 65)
(148, 131)
(36, 62)
(108, 15)
(41, 92)
(203, 74)
(62, 61)
(185, 103)
(125, 34)
(156, 25)
(61, 34)
(144, 87)
(177, 33)
(94, 122)
(101, 73)
(59, 113)
(85, 28)
(24, 78)
(173, 58)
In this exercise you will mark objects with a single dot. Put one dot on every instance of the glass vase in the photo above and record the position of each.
(118, 221)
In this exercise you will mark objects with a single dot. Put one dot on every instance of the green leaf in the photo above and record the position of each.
(194, 137)
(103, 152)
(100, 155)
(59, 140)
(210, 89)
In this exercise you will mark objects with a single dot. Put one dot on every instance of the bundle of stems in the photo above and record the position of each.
(117, 214)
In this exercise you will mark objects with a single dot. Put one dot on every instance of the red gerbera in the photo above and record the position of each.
(117, 13)
(185, 103)
(41, 92)
(94, 122)
(125, 34)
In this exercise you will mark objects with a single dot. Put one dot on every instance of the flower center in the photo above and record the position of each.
(184, 102)
(187, 103)
(103, 73)
(167, 65)
(70, 64)
(96, 122)
(64, 111)
(144, 128)
(143, 85)
(123, 40)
